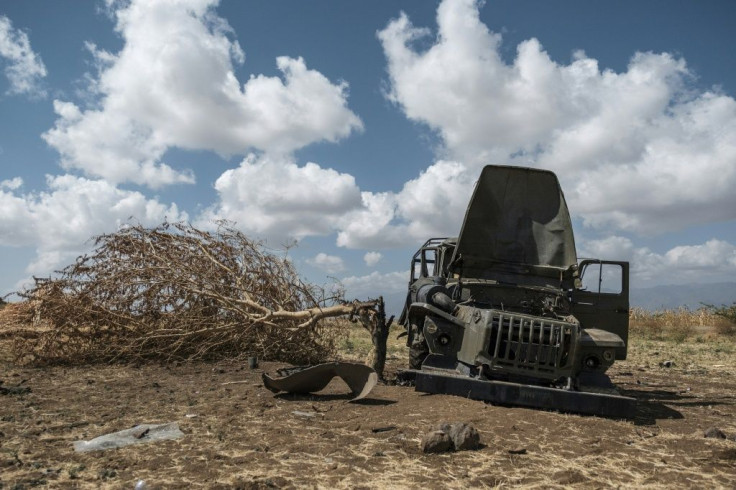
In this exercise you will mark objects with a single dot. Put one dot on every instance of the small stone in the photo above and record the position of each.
(714, 433)
(520, 450)
(376, 430)
(464, 437)
(301, 413)
(436, 442)
(667, 364)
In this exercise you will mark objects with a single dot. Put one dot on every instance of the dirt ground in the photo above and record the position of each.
(240, 435)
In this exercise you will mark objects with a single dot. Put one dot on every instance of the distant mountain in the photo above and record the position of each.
(689, 295)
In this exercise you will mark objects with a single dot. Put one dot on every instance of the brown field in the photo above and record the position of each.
(239, 435)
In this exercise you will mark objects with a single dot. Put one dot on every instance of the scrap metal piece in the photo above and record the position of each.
(137, 435)
(588, 403)
(360, 378)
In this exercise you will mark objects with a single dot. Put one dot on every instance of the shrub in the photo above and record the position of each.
(175, 292)
(726, 316)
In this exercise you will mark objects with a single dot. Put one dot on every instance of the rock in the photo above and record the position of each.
(715, 433)
(569, 477)
(436, 442)
(518, 450)
(464, 437)
(455, 436)
(301, 413)
(667, 364)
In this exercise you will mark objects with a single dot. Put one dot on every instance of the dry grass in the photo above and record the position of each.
(679, 324)
(244, 436)
(717, 356)
(355, 342)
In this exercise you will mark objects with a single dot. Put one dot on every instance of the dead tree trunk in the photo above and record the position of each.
(374, 320)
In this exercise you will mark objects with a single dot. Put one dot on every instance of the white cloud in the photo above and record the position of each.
(371, 225)
(328, 263)
(713, 254)
(60, 221)
(433, 204)
(173, 85)
(391, 285)
(637, 150)
(714, 259)
(372, 258)
(274, 198)
(24, 68)
(11, 184)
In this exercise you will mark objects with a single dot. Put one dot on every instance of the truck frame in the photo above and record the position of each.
(507, 313)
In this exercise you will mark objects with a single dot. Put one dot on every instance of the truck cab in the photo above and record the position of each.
(508, 298)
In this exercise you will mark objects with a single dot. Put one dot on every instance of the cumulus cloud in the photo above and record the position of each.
(275, 198)
(372, 258)
(11, 184)
(433, 204)
(60, 221)
(328, 263)
(173, 85)
(391, 285)
(24, 68)
(638, 150)
(711, 260)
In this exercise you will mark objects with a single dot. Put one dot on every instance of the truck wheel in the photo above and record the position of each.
(418, 350)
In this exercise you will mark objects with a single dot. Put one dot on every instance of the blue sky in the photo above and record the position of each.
(358, 128)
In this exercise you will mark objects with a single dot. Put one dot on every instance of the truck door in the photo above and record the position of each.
(602, 300)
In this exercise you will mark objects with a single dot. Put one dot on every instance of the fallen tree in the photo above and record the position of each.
(178, 293)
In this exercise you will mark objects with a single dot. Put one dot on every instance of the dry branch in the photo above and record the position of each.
(374, 320)
(178, 293)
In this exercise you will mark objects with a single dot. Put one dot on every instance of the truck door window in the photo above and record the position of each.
(425, 264)
(602, 278)
(428, 263)
(416, 269)
(590, 277)
(611, 278)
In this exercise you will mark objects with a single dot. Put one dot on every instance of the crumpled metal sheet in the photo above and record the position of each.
(137, 435)
(360, 378)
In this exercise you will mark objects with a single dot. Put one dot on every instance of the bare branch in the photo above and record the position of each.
(176, 292)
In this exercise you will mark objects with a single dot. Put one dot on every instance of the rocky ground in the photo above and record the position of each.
(237, 434)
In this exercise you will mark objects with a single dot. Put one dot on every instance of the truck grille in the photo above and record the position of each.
(532, 345)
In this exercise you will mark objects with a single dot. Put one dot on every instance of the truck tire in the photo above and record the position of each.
(418, 350)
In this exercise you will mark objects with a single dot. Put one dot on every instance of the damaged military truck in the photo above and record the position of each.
(506, 313)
